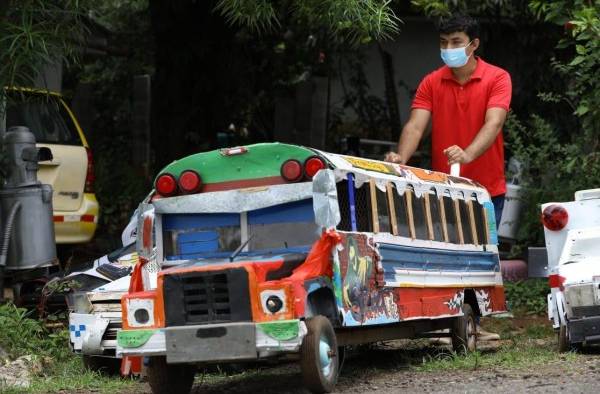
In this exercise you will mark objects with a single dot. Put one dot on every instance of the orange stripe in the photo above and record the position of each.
(59, 219)
(87, 218)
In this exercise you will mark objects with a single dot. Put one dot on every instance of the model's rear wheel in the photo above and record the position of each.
(319, 356)
(564, 340)
(464, 331)
(170, 378)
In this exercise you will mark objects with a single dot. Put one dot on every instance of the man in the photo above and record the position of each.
(467, 101)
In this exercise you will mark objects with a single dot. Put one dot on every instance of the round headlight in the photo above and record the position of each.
(141, 316)
(274, 304)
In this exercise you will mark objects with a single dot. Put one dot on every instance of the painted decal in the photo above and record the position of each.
(456, 302)
(484, 301)
(370, 165)
(133, 338)
(280, 330)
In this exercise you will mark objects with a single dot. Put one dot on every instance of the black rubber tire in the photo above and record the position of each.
(310, 362)
(464, 331)
(170, 378)
(106, 365)
(564, 343)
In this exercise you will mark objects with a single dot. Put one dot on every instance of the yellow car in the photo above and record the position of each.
(71, 171)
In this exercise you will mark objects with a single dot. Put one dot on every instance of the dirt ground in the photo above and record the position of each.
(393, 367)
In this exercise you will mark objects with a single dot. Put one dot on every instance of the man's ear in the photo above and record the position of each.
(475, 44)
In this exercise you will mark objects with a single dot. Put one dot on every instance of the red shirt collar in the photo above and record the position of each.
(477, 74)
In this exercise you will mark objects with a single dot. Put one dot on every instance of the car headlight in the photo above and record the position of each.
(273, 301)
(79, 302)
(140, 312)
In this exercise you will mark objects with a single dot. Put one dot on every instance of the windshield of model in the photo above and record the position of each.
(280, 228)
(582, 249)
(44, 115)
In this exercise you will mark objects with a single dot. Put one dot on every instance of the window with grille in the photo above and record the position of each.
(465, 218)
(344, 204)
(383, 212)
(419, 217)
(451, 224)
(362, 196)
(436, 217)
(480, 223)
(401, 213)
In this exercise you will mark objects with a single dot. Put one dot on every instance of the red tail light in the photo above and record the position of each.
(89, 176)
(312, 165)
(556, 282)
(555, 217)
(166, 185)
(291, 170)
(190, 181)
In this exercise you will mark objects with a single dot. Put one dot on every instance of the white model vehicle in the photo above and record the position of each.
(95, 314)
(572, 233)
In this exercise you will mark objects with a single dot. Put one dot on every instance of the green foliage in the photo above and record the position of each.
(352, 21)
(34, 33)
(21, 335)
(580, 68)
(529, 296)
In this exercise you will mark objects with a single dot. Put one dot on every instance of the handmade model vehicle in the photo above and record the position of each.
(284, 250)
(572, 233)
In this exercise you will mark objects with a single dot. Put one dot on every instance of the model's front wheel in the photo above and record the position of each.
(319, 360)
(564, 341)
(464, 331)
(170, 378)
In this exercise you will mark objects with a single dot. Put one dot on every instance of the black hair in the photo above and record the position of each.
(460, 23)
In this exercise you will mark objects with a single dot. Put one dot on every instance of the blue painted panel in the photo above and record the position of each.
(198, 242)
(200, 220)
(491, 222)
(413, 258)
(299, 211)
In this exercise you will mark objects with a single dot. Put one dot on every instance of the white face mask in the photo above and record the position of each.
(455, 57)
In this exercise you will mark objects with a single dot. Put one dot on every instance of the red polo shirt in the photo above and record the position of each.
(457, 115)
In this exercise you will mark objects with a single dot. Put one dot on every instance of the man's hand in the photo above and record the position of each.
(393, 157)
(456, 154)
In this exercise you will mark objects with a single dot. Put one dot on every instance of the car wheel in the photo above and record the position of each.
(169, 378)
(464, 331)
(319, 356)
(564, 344)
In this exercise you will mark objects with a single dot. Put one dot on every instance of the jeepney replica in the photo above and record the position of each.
(572, 234)
(283, 250)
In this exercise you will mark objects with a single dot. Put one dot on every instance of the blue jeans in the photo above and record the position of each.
(498, 202)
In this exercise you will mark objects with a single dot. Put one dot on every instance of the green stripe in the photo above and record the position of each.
(261, 161)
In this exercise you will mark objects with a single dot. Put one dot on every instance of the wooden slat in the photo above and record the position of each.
(472, 220)
(443, 218)
(374, 213)
(390, 197)
(428, 216)
(461, 238)
(411, 218)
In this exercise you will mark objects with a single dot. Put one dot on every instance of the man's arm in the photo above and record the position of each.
(494, 119)
(410, 137)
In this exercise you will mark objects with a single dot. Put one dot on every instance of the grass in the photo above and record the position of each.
(60, 370)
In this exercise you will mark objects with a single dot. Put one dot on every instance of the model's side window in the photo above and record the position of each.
(480, 222)
(344, 204)
(437, 222)
(468, 225)
(383, 211)
(419, 216)
(401, 213)
(362, 197)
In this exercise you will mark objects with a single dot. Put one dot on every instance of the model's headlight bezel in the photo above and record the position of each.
(140, 312)
(273, 301)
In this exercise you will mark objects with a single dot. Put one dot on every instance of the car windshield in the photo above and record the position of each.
(280, 228)
(44, 115)
(583, 249)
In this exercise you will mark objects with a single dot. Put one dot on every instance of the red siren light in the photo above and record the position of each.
(190, 182)
(291, 170)
(555, 217)
(312, 165)
(166, 185)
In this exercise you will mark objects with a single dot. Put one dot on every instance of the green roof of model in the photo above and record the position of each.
(260, 161)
